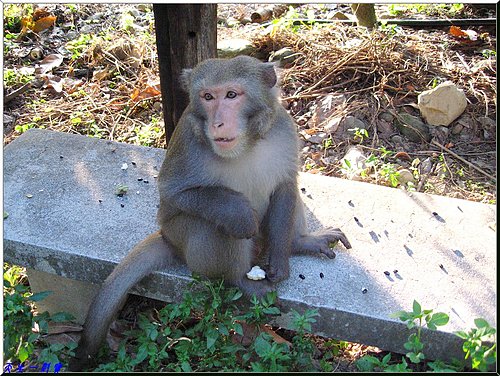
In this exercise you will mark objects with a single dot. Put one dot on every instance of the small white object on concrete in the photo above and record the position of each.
(124, 166)
(256, 273)
(443, 104)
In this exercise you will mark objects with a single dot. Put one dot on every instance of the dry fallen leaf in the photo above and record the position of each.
(149, 92)
(49, 63)
(465, 35)
(43, 23)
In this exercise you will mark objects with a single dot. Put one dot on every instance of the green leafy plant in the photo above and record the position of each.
(418, 319)
(482, 356)
(198, 334)
(359, 134)
(78, 46)
(14, 77)
(20, 338)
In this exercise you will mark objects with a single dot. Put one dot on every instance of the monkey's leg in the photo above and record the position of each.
(152, 254)
(278, 226)
(215, 255)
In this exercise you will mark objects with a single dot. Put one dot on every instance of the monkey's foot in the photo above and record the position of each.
(320, 242)
(276, 273)
(259, 288)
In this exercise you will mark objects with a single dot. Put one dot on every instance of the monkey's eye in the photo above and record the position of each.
(208, 96)
(231, 94)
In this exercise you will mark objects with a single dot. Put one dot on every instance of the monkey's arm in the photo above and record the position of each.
(152, 254)
(279, 226)
(227, 209)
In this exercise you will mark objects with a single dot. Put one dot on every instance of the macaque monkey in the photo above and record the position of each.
(228, 188)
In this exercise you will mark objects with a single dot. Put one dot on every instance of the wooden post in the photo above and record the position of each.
(185, 35)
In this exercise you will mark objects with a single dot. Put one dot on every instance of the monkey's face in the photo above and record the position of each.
(224, 128)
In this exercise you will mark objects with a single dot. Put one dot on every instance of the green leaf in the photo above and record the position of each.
(262, 346)
(238, 294)
(223, 329)
(212, 336)
(5, 215)
(238, 329)
(367, 363)
(461, 334)
(417, 309)
(439, 319)
(386, 359)
(481, 323)
(415, 357)
(39, 296)
(23, 354)
(271, 311)
(186, 367)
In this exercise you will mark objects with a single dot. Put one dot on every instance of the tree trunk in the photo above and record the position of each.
(365, 13)
(185, 35)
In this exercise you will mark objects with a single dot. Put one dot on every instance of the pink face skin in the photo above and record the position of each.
(223, 106)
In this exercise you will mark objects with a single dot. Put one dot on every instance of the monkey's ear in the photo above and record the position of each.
(269, 74)
(186, 79)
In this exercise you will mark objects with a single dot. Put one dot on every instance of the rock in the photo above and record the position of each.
(397, 139)
(340, 16)
(234, 47)
(384, 126)
(332, 124)
(353, 163)
(457, 128)
(405, 176)
(323, 114)
(283, 57)
(317, 138)
(8, 121)
(350, 124)
(443, 104)
(487, 122)
(412, 127)
(426, 166)
(387, 116)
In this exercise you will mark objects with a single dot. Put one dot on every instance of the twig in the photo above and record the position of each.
(463, 160)
(17, 92)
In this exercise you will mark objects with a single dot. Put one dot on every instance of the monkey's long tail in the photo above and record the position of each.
(150, 255)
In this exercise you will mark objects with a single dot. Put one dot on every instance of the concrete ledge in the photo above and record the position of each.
(65, 219)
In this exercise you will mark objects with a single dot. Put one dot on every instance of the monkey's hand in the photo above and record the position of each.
(240, 224)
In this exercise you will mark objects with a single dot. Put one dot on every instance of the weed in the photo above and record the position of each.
(78, 46)
(359, 134)
(13, 77)
(482, 356)
(197, 335)
(148, 135)
(19, 322)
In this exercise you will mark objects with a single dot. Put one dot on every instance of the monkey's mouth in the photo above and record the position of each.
(225, 143)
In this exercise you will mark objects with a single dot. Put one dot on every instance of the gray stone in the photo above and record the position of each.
(412, 127)
(64, 230)
(387, 117)
(354, 162)
(234, 47)
(443, 104)
(283, 56)
(405, 176)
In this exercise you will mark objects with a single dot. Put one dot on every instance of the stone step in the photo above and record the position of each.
(65, 219)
